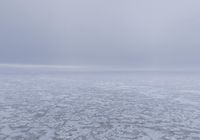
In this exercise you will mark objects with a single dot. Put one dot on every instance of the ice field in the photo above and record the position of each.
(43, 103)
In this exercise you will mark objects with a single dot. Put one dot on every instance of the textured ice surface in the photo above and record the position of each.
(58, 104)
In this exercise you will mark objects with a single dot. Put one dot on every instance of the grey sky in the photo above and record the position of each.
(100, 31)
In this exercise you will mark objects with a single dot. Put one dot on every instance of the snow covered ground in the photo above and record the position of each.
(43, 103)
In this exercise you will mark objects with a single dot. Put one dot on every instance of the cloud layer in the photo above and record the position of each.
(133, 32)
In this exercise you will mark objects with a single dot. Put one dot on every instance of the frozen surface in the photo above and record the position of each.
(59, 104)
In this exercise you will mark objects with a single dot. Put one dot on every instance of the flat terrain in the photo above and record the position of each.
(43, 103)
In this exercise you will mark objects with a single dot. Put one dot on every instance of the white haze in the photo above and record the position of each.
(128, 32)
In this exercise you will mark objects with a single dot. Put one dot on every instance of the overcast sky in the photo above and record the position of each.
(133, 32)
